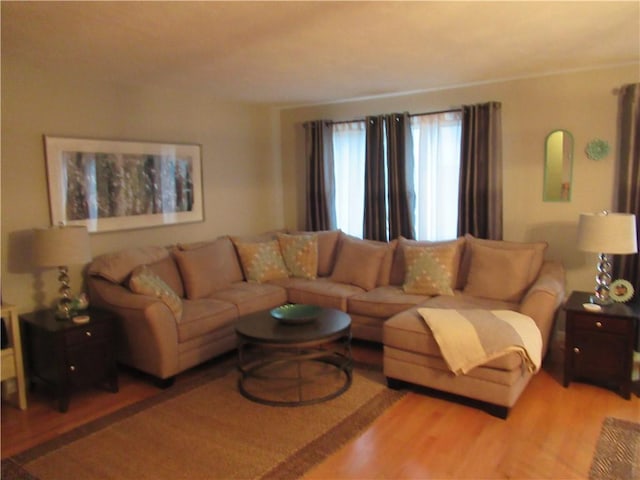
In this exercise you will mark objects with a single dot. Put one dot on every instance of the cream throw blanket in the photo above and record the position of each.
(469, 338)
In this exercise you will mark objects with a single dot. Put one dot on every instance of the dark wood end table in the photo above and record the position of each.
(63, 354)
(599, 346)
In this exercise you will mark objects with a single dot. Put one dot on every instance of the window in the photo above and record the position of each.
(436, 156)
(349, 156)
(436, 151)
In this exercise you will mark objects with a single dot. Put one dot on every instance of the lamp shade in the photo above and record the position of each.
(611, 233)
(61, 246)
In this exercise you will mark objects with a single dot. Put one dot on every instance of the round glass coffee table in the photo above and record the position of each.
(289, 363)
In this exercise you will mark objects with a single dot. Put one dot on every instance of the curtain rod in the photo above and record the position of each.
(338, 122)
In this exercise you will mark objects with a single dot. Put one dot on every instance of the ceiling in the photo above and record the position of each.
(296, 52)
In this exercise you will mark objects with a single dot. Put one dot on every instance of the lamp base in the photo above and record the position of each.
(600, 301)
(603, 280)
(64, 308)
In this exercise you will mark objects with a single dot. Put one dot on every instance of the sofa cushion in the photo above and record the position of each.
(321, 291)
(300, 254)
(261, 261)
(398, 272)
(436, 370)
(538, 248)
(252, 297)
(358, 262)
(327, 249)
(204, 315)
(408, 331)
(384, 274)
(460, 300)
(208, 267)
(498, 273)
(146, 282)
(168, 271)
(383, 302)
(429, 270)
(117, 266)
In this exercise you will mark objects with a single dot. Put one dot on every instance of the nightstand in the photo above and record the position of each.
(64, 354)
(599, 345)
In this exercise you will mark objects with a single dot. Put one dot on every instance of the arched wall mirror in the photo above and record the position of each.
(558, 166)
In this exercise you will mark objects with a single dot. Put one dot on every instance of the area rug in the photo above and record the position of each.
(617, 453)
(208, 431)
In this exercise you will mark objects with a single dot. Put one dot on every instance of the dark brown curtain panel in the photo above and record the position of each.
(320, 205)
(628, 175)
(480, 196)
(402, 196)
(375, 194)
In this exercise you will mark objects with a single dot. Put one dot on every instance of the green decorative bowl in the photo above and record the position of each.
(296, 313)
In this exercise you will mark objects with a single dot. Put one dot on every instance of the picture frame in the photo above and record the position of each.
(621, 291)
(109, 185)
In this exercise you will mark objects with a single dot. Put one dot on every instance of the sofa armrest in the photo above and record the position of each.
(147, 334)
(544, 297)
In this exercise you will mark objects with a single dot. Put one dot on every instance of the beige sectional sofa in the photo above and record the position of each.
(176, 306)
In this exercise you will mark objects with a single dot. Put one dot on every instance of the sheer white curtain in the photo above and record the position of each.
(349, 154)
(436, 147)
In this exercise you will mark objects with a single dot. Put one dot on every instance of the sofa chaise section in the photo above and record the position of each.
(412, 355)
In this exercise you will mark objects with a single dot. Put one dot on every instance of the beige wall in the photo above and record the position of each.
(253, 167)
(583, 103)
(241, 175)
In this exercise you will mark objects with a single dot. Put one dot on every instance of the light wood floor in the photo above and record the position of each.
(550, 434)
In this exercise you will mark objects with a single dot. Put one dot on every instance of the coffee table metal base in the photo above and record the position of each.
(270, 359)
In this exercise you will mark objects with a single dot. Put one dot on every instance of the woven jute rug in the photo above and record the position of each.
(617, 453)
(208, 430)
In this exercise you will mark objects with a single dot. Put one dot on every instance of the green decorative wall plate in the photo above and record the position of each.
(597, 149)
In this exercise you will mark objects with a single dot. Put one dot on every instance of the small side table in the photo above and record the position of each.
(64, 354)
(599, 345)
(12, 366)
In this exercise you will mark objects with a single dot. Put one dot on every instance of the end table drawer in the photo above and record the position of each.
(598, 323)
(86, 333)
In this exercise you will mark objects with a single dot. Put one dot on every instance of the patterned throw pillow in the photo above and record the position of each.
(145, 282)
(300, 253)
(429, 270)
(262, 261)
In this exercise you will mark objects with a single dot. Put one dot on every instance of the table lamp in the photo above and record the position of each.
(60, 247)
(606, 233)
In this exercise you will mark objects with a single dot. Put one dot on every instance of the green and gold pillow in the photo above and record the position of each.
(145, 282)
(429, 270)
(261, 261)
(300, 254)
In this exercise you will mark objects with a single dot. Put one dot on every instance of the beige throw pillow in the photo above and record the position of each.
(145, 282)
(117, 266)
(429, 270)
(208, 267)
(358, 262)
(499, 274)
(539, 249)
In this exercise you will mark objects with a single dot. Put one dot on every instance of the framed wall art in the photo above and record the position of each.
(111, 185)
